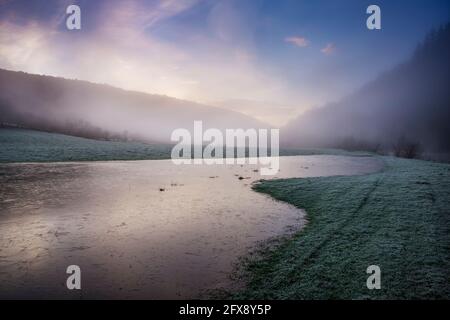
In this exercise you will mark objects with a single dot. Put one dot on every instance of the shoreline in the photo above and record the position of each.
(356, 221)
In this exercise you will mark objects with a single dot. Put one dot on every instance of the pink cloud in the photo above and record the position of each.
(328, 49)
(298, 41)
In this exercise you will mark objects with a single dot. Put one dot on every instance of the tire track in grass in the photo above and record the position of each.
(313, 254)
(397, 219)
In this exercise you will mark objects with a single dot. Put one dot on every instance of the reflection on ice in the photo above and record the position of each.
(140, 229)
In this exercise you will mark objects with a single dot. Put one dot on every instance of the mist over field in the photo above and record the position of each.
(368, 90)
(404, 110)
(342, 194)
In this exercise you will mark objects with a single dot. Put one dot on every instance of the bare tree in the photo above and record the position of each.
(404, 148)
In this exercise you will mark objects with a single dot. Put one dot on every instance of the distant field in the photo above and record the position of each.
(22, 145)
(324, 151)
(398, 219)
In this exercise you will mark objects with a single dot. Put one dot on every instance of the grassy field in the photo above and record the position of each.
(398, 219)
(20, 145)
(322, 151)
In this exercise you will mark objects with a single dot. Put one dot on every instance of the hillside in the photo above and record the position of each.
(91, 110)
(409, 105)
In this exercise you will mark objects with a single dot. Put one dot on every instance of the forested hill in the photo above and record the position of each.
(91, 110)
(409, 106)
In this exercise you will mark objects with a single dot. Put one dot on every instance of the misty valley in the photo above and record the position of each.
(225, 150)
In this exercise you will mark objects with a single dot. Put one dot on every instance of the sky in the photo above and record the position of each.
(269, 59)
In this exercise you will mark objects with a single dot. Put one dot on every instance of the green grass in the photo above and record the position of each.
(322, 151)
(20, 145)
(398, 219)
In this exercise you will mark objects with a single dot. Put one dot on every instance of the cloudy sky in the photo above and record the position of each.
(270, 59)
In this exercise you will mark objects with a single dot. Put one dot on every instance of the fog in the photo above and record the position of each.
(406, 107)
(404, 111)
(103, 112)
